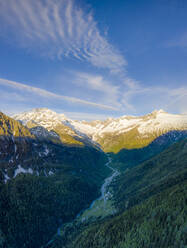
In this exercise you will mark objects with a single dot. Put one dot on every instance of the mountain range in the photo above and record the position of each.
(111, 135)
(31, 138)
(52, 167)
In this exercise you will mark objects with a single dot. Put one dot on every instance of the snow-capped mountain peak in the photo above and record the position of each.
(41, 116)
(125, 130)
(47, 124)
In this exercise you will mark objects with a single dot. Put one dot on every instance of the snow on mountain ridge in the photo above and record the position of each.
(41, 116)
(158, 119)
(153, 122)
(163, 120)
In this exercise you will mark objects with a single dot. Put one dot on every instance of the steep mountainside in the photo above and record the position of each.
(43, 184)
(46, 124)
(129, 158)
(15, 144)
(131, 132)
(23, 152)
(52, 167)
(154, 175)
(112, 135)
(151, 199)
(9, 126)
(160, 221)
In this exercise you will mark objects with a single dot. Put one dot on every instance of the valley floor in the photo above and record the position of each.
(103, 206)
(99, 208)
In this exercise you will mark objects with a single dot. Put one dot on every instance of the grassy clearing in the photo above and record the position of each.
(100, 209)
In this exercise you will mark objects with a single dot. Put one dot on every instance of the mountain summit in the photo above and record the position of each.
(41, 116)
(112, 134)
(47, 124)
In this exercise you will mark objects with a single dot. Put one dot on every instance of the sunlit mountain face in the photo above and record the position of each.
(112, 134)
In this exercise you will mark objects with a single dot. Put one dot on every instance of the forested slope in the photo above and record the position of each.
(152, 203)
(128, 158)
(43, 184)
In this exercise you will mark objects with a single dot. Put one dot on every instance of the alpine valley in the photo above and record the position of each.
(118, 183)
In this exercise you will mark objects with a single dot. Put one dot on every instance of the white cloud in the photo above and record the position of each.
(155, 97)
(17, 97)
(110, 93)
(144, 100)
(86, 116)
(177, 100)
(132, 96)
(59, 28)
(49, 95)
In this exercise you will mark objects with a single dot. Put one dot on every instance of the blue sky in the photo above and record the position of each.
(92, 59)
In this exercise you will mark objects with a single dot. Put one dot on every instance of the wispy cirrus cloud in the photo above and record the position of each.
(50, 95)
(18, 96)
(86, 116)
(59, 28)
(63, 28)
(178, 100)
(155, 97)
(108, 91)
(131, 95)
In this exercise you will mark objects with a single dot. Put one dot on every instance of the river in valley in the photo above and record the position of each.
(102, 206)
(99, 208)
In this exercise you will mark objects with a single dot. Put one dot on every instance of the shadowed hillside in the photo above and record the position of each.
(151, 199)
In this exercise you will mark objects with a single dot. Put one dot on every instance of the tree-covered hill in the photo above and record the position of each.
(43, 184)
(160, 221)
(152, 203)
(153, 176)
(128, 158)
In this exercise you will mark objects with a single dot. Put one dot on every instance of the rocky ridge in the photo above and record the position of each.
(112, 134)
